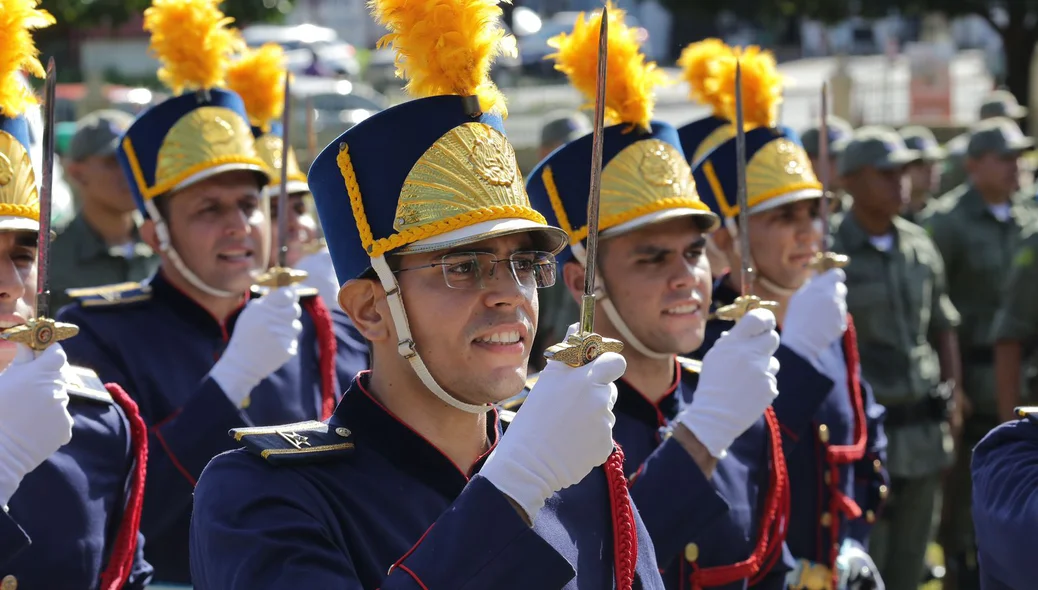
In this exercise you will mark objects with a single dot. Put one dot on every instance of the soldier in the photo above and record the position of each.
(977, 232)
(70, 507)
(923, 174)
(1000, 103)
(1005, 503)
(896, 291)
(839, 132)
(410, 483)
(706, 467)
(832, 435)
(102, 243)
(235, 358)
(1014, 330)
(258, 76)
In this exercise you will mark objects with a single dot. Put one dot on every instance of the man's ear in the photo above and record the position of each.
(722, 239)
(149, 235)
(73, 172)
(364, 301)
(573, 277)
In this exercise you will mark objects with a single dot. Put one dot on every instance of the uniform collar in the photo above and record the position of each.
(855, 238)
(186, 307)
(635, 404)
(374, 427)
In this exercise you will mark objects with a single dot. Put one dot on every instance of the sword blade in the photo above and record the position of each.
(286, 147)
(46, 192)
(823, 171)
(746, 275)
(587, 306)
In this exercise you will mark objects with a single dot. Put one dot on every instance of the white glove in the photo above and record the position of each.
(34, 418)
(857, 569)
(563, 430)
(737, 383)
(321, 276)
(816, 315)
(265, 337)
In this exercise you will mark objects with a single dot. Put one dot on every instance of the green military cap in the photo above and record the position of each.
(839, 131)
(876, 146)
(922, 140)
(98, 134)
(1002, 103)
(1000, 135)
(564, 127)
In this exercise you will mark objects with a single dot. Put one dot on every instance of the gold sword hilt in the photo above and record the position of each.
(742, 306)
(585, 346)
(40, 333)
(824, 261)
(280, 276)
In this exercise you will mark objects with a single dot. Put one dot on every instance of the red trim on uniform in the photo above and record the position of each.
(326, 352)
(413, 575)
(773, 524)
(789, 433)
(837, 455)
(162, 441)
(120, 561)
(625, 539)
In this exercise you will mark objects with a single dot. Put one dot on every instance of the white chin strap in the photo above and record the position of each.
(613, 315)
(733, 230)
(166, 246)
(406, 346)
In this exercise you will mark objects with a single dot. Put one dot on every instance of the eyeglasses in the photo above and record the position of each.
(465, 270)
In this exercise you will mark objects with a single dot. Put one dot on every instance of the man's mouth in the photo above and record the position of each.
(504, 337)
(241, 255)
(684, 309)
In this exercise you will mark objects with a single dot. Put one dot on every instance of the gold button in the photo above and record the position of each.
(691, 552)
(343, 432)
(827, 478)
(245, 403)
(827, 519)
(823, 433)
(870, 516)
(877, 466)
(883, 492)
(9, 583)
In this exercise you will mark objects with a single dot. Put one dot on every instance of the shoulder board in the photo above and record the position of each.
(296, 444)
(304, 292)
(690, 365)
(82, 383)
(110, 294)
(1028, 413)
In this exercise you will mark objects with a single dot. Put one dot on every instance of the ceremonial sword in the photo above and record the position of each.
(747, 300)
(825, 259)
(281, 275)
(585, 346)
(40, 332)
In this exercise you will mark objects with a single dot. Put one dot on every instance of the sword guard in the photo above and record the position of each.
(742, 306)
(824, 261)
(39, 333)
(280, 276)
(582, 348)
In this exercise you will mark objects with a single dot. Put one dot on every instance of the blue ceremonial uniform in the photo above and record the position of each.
(1005, 503)
(362, 501)
(837, 479)
(66, 520)
(694, 525)
(124, 331)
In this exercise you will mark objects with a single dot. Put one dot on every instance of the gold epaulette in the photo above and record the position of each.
(294, 444)
(690, 365)
(82, 383)
(304, 292)
(110, 294)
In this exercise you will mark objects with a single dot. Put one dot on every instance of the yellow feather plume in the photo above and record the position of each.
(699, 67)
(446, 47)
(18, 18)
(630, 80)
(258, 77)
(761, 86)
(191, 40)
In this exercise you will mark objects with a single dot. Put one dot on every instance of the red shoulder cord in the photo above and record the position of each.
(326, 352)
(837, 455)
(625, 535)
(120, 561)
(773, 524)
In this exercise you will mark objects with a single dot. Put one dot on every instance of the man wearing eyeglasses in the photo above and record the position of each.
(411, 484)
